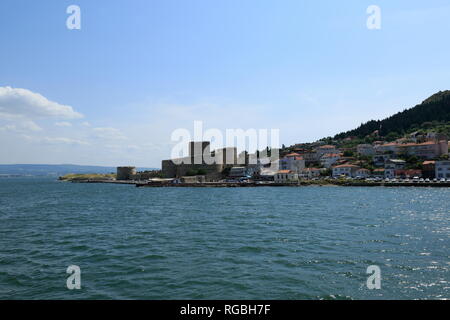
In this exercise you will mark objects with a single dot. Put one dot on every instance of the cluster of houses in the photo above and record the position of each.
(310, 161)
(328, 160)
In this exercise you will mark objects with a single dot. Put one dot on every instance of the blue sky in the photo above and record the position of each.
(139, 69)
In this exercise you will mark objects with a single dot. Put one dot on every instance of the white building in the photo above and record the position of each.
(310, 156)
(284, 176)
(293, 162)
(328, 159)
(380, 159)
(442, 169)
(365, 149)
(362, 173)
(310, 173)
(391, 166)
(426, 150)
(390, 147)
(348, 170)
(326, 149)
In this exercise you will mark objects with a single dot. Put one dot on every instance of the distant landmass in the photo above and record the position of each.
(434, 112)
(54, 170)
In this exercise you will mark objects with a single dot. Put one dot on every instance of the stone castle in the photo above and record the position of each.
(201, 160)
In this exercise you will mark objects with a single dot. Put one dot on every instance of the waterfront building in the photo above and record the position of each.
(442, 169)
(309, 173)
(125, 173)
(348, 170)
(201, 161)
(362, 173)
(429, 169)
(411, 173)
(293, 162)
(283, 176)
(238, 172)
(378, 173)
(391, 166)
(266, 174)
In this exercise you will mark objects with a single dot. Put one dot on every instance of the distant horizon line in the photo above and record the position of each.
(69, 164)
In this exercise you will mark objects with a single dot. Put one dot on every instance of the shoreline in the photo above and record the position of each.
(256, 185)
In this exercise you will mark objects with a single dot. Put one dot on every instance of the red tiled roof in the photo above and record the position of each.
(284, 171)
(331, 155)
(346, 165)
(427, 143)
(293, 154)
(390, 144)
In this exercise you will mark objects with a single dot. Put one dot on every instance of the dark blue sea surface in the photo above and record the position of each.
(222, 243)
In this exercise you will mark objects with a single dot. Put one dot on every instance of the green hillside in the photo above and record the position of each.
(433, 113)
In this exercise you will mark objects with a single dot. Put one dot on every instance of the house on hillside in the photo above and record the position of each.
(326, 149)
(293, 162)
(348, 170)
(365, 150)
(329, 159)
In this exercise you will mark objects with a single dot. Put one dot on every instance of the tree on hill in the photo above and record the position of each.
(434, 109)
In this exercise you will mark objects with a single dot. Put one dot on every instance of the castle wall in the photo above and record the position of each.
(125, 173)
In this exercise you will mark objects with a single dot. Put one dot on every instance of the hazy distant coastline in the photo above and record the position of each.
(54, 170)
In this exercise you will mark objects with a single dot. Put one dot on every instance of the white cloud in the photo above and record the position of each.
(56, 140)
(63, 124)
(23, 103)
(108, 133)
(65, 141)
(21, 126)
